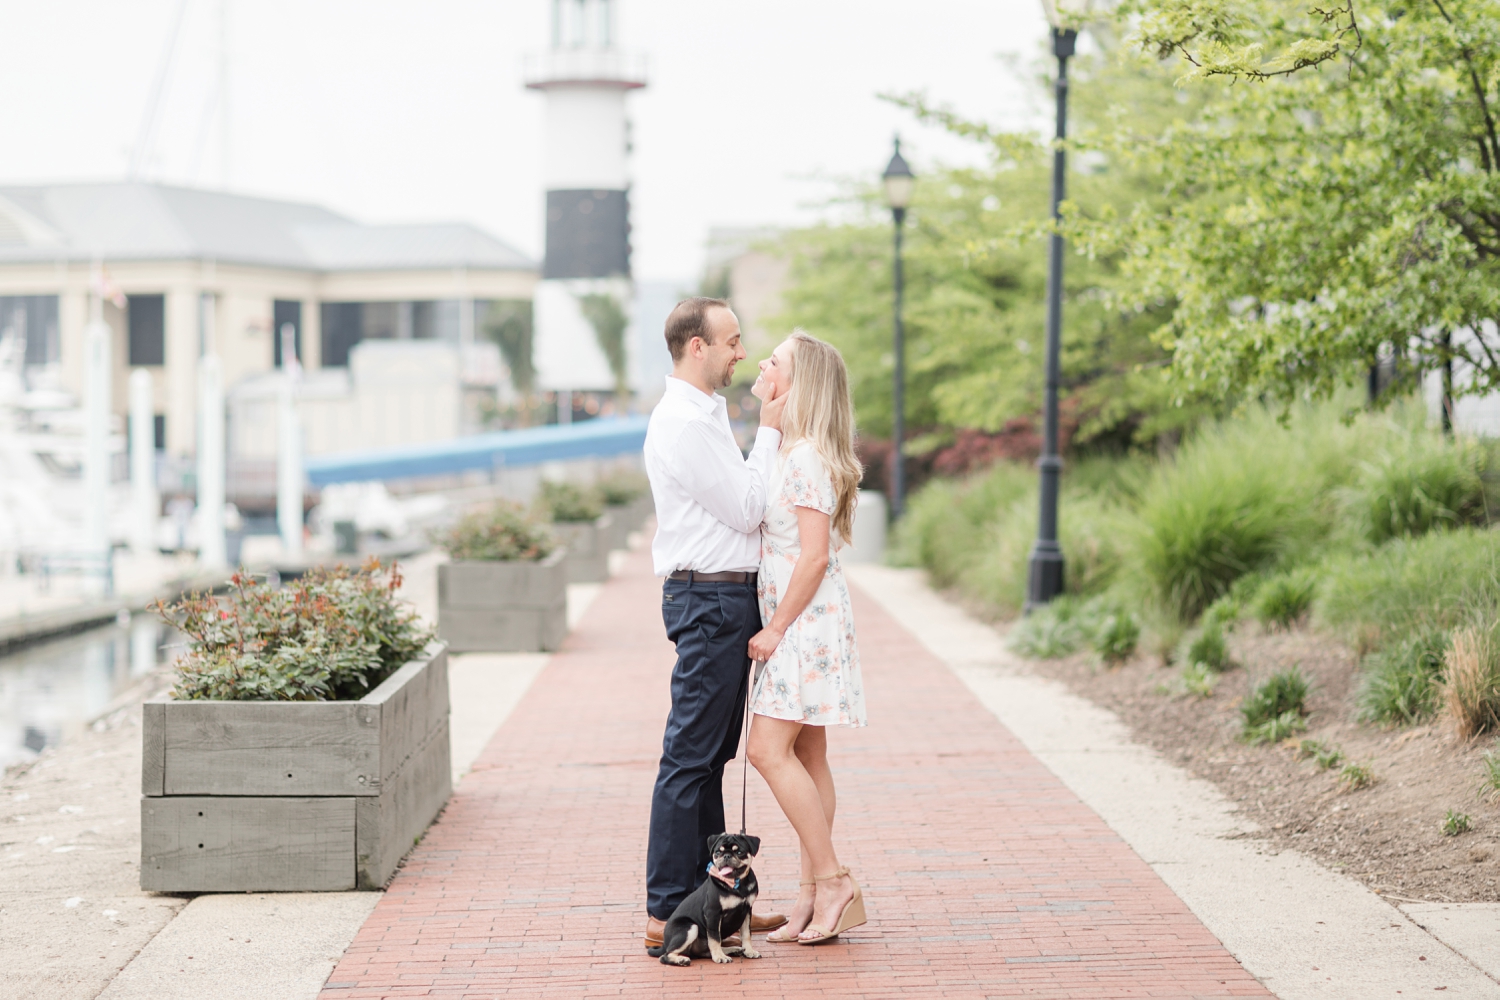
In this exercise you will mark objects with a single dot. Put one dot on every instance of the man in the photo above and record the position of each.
(709, 505)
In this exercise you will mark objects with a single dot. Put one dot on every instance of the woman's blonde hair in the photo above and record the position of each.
(820, 411)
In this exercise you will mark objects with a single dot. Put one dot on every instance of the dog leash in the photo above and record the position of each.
(757, 669)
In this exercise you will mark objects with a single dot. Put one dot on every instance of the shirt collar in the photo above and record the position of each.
(690, 392)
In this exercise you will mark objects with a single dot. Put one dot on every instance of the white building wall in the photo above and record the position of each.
(585, 138)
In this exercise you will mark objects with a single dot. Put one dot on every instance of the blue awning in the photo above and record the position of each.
(603, 438)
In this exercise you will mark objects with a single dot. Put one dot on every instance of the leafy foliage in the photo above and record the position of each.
(500, 532)
(1417, 486)
(1322, 220)
(509, 324)
(1117, 635)
(1208, 649)
(1456, 823)
(1356, 776)
(570, 502)
(330, 635)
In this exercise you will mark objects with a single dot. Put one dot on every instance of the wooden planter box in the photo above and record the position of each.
(588, 545)
(504, 607)
(294, 796)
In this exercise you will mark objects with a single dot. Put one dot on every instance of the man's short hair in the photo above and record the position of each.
(688, 320)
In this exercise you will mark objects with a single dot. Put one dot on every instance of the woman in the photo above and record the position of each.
(811, 677)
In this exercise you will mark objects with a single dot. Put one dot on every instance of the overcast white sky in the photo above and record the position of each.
(392, 111)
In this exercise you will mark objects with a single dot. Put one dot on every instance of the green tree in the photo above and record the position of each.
(508, 324)
(1338, 198)
(609, 322)
(976, 278)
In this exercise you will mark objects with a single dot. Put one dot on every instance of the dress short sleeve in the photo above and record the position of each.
(807, 482)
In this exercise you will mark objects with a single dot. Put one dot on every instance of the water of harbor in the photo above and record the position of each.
(49, 691)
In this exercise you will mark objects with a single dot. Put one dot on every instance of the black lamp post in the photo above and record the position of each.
(1045, 576)
(899, 182)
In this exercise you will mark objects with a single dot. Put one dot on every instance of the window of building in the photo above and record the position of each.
(146, 318)
(282, 313)
(342, 327)
(32, 320)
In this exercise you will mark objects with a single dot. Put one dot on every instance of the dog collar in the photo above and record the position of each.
(715, 875)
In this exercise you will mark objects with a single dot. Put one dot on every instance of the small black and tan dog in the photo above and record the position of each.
(717, 908)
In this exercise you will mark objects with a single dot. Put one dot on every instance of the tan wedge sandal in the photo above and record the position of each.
(853, 915)
(781, 936)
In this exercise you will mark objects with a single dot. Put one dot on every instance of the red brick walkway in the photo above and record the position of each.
(984, 876)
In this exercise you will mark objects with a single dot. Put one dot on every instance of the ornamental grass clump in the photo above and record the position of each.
(1401, 680)
(1471, 681)
(568, 502)
(331, 635)
(1282, 600)
(499, 533)
(1422, 484)
(1274, 709)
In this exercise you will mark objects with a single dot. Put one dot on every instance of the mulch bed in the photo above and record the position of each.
(1388, 834)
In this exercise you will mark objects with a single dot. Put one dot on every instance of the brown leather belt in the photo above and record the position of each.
(730, 576)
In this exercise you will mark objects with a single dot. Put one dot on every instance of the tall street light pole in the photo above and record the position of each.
(1045, 576)
(899, 183)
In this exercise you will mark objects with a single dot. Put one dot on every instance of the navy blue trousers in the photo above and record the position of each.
(711, 624)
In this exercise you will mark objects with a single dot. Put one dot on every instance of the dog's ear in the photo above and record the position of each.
(713, 841)
(753, 843)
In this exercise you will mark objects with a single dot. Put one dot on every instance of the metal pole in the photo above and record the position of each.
(898, 417)
(1045, 579)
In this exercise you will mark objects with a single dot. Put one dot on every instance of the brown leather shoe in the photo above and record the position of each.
(654, 929)
(765, 924)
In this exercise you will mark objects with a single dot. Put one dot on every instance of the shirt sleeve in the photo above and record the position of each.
(731, 488)
(807, 482)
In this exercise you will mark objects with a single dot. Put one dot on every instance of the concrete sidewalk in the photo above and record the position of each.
(984, 874)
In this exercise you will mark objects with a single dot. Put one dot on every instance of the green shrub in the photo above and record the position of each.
(501, 532)
(1117, 635)
(1198, 679)
(1223, 613)
(1287, 724)
(1209, 648)
(1400, 683)
(1421, 484)
(1283, 599)
(1490, 781)
(1456, 823)
(1052, 632)
(570, 502)
(329, 635)
(1284, 691)
(1434, 581)
(619, 487)
(1354, 776)
(1322, 754)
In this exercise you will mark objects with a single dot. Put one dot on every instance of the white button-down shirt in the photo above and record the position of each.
(710, 499)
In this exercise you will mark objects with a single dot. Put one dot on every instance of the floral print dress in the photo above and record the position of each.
(813, 677)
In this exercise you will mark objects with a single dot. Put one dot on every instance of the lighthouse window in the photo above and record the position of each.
(146, 319)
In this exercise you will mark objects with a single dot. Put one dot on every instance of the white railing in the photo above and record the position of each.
(606, 66)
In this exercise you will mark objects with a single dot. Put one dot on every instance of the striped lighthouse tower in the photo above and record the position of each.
(583, 302)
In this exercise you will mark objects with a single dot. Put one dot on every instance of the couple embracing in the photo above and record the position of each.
(749, 550)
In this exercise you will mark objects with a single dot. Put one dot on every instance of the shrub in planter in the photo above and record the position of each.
(621, 487)
(579, 520)
(306, 745)
(506, 589)
(330, 635)
(569, 502)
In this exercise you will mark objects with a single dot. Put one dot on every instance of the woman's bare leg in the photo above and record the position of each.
(773, 749)
(811, 748)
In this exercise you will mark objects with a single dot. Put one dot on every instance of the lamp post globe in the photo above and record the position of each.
(899, 183)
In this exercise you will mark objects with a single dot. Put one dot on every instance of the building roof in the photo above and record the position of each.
(140, 221)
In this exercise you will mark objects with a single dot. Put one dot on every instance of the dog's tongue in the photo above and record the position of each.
(726, 871)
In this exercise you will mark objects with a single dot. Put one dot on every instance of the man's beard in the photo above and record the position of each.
(726, 376)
